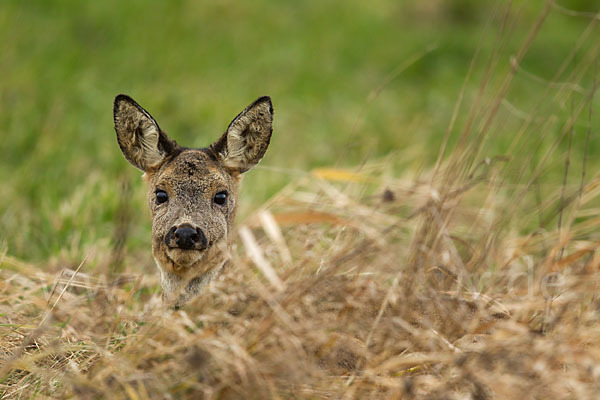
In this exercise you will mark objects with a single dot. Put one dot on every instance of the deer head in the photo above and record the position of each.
(192, 193)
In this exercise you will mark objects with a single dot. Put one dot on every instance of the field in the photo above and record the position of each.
(424, 224)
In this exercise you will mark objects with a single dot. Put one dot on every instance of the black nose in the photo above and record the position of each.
(188, 238)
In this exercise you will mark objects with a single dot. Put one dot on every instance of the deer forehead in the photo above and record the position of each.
(192, 170)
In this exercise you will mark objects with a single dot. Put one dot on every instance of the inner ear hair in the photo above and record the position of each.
(140, 138)
(247, 137)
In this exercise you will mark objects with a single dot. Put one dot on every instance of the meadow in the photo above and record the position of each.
(428, 205)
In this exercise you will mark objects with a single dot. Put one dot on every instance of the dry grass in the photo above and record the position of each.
(332, 301)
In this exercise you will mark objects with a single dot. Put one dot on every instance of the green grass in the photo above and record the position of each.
(194, 65)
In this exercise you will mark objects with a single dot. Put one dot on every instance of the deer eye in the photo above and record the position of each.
(220, 198)
(161, 196)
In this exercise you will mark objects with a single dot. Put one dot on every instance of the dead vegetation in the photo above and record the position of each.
(369, 287)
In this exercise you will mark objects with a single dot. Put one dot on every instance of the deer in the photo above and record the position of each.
(192, 192)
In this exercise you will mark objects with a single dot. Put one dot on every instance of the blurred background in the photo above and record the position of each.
(351, 82)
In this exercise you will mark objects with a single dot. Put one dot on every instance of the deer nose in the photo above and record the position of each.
(188, 237)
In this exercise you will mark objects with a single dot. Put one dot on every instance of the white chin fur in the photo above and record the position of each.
(184, 258)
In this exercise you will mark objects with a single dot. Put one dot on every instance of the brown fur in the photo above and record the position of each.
(191, 178)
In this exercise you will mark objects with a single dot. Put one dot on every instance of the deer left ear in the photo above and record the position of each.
(247, 137)
(142, 142)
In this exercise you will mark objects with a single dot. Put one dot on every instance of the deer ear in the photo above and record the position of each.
(142, 142)
(247, 137)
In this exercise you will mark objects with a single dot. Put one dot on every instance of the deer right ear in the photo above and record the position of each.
(142, 142)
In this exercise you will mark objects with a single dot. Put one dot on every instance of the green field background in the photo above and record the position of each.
(351, 81)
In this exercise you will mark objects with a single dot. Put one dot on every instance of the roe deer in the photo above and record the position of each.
(192, 193)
